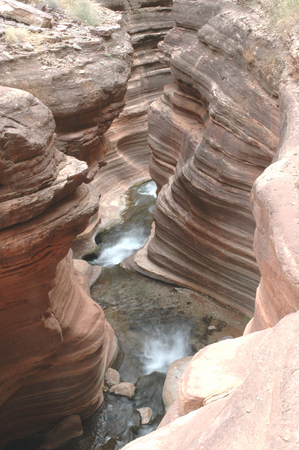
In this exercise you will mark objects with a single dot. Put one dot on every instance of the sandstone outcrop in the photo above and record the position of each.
(258, 411)
(127, 161)
(242, 393)
(220, 129)
(275, 207)
(55, 344)
(75, 71)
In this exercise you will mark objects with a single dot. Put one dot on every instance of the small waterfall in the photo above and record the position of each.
(163, 346)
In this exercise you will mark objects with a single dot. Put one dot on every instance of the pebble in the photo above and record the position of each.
(28, 47)
(76, 47)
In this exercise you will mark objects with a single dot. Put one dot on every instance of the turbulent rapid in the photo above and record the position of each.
(133, 230)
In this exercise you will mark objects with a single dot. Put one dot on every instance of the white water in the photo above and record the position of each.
(148, 189)
(127, 244)
(132, 233)
(163, 347)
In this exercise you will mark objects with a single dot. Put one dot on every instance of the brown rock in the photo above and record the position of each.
(128, 158)
(203, 233)
(112, 377)
(84, 88)
(69, 428)
(54, 342)
(124, 389)
(145, 414)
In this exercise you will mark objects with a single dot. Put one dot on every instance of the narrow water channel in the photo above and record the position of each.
(155, 323)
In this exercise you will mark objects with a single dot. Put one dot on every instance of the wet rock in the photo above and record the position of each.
(112, 377)
(149, 394)
(174, 373)
(146, 414)
(123, 389)
(69, 428)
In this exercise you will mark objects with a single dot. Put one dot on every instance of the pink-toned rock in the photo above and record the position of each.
(259, 414)
(112, 377)
(213, 143)
(215, 372)
(91, 272)
(128, 158)
(55, 344)
(124, 389)
(275, 207)
(146, 414)
(174, 373)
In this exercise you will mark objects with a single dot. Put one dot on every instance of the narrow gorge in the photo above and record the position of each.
(201, 97)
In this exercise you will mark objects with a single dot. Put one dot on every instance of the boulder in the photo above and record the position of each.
(174, 373)
(146, 414)
(112, 377)
(124, 389)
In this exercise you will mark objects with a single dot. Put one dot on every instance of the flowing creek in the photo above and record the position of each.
(155, 323)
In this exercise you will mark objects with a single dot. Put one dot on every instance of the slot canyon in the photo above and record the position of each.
(187, 110)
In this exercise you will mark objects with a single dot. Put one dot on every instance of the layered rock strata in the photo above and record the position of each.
(219, 130)
(242, 393)
(55, 343)
(79, 71)
(127, 161)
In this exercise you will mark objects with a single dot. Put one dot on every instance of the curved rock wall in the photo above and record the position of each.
(219, 130)
(242, 393)
(77, 72)
(55, 343)
(275, 206)
(127, 161)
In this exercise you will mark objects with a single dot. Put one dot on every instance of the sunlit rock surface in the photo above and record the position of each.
(259, 410)
(54, 342)
(128, 159)
(219, 130)
(276, 210)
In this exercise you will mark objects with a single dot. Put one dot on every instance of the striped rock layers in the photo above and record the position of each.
(212, 134)
(127, 161)
(54, 342)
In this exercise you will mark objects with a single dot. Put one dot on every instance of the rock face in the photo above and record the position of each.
(219, 130)
(128, 159)
(275, 207)
(242, 393)
(55, 343)
(260, 408)
(80, 75)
